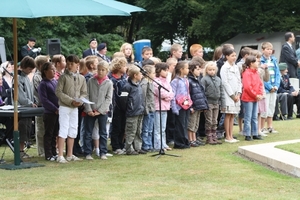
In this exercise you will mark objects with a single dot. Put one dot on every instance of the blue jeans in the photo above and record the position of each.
(147, 130)
(250, 118)
(157, 143)
(87, 139)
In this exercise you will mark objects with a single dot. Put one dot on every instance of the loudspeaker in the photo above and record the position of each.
(53, 46)
(297, 41)
(2, 50)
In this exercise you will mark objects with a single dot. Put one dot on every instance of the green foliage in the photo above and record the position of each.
(208, 22)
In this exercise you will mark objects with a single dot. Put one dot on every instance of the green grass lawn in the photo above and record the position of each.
(294, 148)
(209, 172)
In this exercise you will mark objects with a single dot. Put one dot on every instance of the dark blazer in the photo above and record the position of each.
(88, 52)
(285, 85)
(26, 51)
(289, 57)
(106, 58)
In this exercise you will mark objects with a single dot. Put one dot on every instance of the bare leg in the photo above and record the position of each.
(227, 126)
(262, 122)
(70, 144)
(231, 121)
(270, 122)
(61, 144)
(190, 135)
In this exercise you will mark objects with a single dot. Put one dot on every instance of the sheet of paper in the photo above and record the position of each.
(83, 100)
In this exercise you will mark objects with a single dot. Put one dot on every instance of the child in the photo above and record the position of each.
(39, 124)
(71, 86)
(148, 120)
(59, 62)
(199, 102)
(231, 80)
(271, 86)
(161, 70)
(216, 100)
(25, 98)
(196, 50)
(170, 126)
(134, 112)
(245, 52)
(118, 77)
(100, 91)
(176, 51)
(147, 53)
(264, 76)
(49, 101)
(126, 48)
(180, 87)
(252, 92)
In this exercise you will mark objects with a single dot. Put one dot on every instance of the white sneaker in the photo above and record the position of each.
(235, 140)
(230, 141)
(272, 130)
(109, 155)
(241, 133)
(103, 157)
(119, 152)
(89, 157)
(61, 159)
(264, 130)
(263, 134)
(73, 158)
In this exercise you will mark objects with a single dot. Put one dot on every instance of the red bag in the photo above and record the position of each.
(184, 101)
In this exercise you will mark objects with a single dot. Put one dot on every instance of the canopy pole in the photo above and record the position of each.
(16, 128)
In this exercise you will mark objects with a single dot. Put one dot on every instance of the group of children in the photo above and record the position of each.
(142, 98)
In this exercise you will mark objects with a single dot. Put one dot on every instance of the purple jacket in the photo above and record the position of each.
(180, 87)
(47, 95)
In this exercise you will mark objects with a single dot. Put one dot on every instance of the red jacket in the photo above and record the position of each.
(252, 85)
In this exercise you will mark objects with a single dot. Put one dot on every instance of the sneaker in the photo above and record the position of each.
(235, 140)
(89, 157)
(103, 157)
(73, 158)
(272, 130)
(263, 134)
(264, 130)
(109, 155)
(241, 133)
(24, 155)
(141, 152)
(194, 144)
(231, 141)
(132, 153)
(61, 159)
(52, 158)
(119, 152)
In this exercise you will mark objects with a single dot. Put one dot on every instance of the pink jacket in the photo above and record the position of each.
(166, 97)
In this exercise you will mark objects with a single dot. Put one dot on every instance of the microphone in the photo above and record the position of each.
(141, 68)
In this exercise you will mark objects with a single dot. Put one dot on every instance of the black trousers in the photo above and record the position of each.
(181, 140)
(51, 132)
(118, 129)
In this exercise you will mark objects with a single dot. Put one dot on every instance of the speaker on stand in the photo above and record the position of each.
(53, 46)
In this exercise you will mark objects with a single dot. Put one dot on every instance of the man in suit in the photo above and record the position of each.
(288, 55)
(293, 96)
(102, 49)
(92, 50)
(29, 50)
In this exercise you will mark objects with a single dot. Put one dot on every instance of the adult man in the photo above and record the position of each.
(92, 50)
(102, 49)
(287, 89)
(29, 50)
(288, 55)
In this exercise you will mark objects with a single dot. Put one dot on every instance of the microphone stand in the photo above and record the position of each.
(161, 151)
